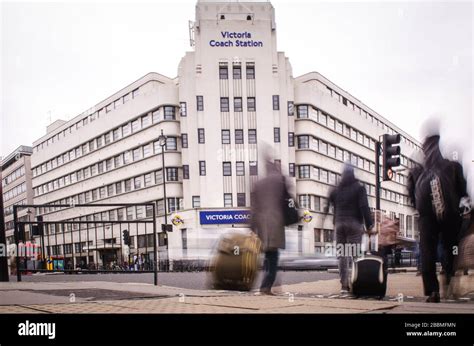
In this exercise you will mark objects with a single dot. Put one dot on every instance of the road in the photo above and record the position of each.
(193, 280)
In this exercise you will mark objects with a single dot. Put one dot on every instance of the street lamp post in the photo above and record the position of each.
(162, 141)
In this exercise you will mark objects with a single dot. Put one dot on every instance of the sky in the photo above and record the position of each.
(405, 60)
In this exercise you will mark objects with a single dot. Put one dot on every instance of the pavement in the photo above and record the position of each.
(404, 295)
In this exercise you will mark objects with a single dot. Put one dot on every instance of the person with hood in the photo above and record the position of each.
(436, 193)
(268, 220)
(351, 212)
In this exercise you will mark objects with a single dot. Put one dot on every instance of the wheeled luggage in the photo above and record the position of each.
(368, 275)
(235, 264)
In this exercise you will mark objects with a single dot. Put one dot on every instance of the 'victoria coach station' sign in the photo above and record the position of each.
(236, 39)
(224, 217)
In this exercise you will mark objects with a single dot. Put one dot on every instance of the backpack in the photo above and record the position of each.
(434, 192)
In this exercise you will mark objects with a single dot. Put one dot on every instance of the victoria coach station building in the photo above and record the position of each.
(234, 98)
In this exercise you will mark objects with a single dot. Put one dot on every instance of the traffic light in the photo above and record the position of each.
(126, 238)
(390, 151)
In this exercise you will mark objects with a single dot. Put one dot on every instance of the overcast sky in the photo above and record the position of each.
(405, 60)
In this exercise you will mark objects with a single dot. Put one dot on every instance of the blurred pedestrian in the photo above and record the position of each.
(437, 192)
(351, 212)
(268, 220)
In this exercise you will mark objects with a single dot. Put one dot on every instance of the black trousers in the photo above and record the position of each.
(430, 233)
(270, 267)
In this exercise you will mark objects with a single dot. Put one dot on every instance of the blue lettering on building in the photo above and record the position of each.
(224, 217)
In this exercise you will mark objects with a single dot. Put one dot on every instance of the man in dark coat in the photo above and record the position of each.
(351, 211)
(268, 221)
(439, 219)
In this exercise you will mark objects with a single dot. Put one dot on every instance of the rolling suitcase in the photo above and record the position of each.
(235, 264)
(368, 275)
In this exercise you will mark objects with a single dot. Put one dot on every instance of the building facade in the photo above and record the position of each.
(17, 190)
(233, 100)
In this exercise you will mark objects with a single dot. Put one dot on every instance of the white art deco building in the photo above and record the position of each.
(234, 96)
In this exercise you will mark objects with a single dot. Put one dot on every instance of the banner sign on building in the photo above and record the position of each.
(224, 217)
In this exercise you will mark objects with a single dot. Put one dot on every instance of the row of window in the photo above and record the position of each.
(87, 120)
(135, 125)
(17, 173)
(332, 178)
(238, 136)
(236, 71)
(17, 190)
(238, 106)
(9, 210)
(117, 188)
(310, 112)
(320, 146)
(370, 118)
(122, 159)
(173, 204)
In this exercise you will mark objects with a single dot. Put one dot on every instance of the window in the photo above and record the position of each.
(130, 213)
(303, 171)
(224, 104)
(225, 136)
(331, 151)
(108, 165)
(304, 201)
(323, 176)
(202, 168)
(135, 93)
(276, 102)
(227, 200)
(118, 160)
(200, 102)
(110, 190)
(117, 134)
(107, 138)
(128, 185)
(302, 111)
(146, 121)
(137, 183)
(323, 119)
(250, 71)
(201, 136)
(226, 168)
(196, 201)
(184, 140)
(223, 72)
(183, 111)
(240, 199)
(291, 139)
(239, 136)
(253, 168)
(149, 211)
(156, 116)
(118, 187)
(237, 104)
(94, 195)
(252, 136)
(126, 130)
(276, 134)
(237, 72)
(323, 147)
(147, 150)
(303, 142)
(251, 107)
(339, 154)
(169, 113)
(240, 168)
(136, 125)
(159, 177)
(291, 170)
(171, 143)
(172, 174)
(136, 154)
(185, 171)
(102, 192)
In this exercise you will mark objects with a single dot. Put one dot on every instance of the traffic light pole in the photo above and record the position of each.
(377, 175)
